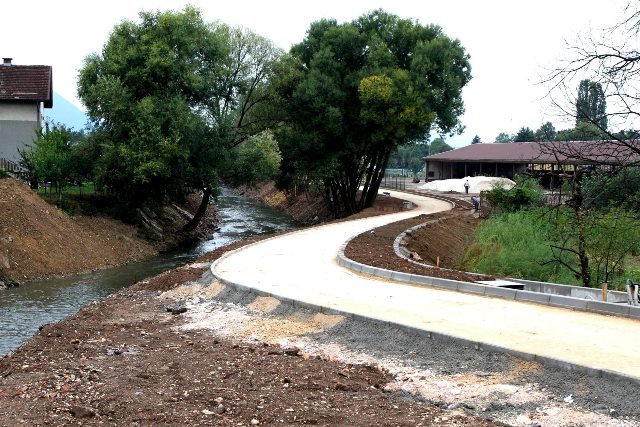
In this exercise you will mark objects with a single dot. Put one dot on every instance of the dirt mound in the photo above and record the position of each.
(446, 239)
(303, 207)
(126, 361)
(38, 240)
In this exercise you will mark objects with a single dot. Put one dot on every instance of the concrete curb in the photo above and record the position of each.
(477, 345)
(405, 254)
(559, 301)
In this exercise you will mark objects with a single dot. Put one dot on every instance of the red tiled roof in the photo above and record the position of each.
(544, 152)
(20, 83)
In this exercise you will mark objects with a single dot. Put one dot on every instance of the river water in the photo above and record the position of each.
(24, 309)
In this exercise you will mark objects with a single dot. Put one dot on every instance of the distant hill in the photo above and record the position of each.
(66, 113)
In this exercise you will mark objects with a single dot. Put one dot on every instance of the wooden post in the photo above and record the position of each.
(438, 261)
(605, 291)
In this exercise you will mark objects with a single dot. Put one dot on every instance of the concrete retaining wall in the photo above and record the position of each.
(590, 294)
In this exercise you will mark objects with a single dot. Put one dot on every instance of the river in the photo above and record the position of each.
(24, 309)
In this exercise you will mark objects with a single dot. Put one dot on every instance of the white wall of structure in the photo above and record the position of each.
(20, 112)
(18, 123)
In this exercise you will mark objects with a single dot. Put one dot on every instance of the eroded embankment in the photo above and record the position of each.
(38, 240)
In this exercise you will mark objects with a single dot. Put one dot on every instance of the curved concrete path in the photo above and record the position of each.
(302, 266)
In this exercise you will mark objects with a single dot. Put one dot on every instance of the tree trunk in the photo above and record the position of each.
(378, 174)
(579, 217)
(202, 209)
(582, 252)
(367, 184)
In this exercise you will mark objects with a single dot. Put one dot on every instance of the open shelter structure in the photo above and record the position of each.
(547, 160)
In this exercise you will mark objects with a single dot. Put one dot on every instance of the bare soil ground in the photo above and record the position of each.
(127, 361)
(309, 208)
(37, 240)
(445, 238)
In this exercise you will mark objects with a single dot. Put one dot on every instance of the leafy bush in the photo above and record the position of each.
(4, 174)
(621, 188)
(612, 236)
(256, 160)
(521, 245)
(525, 194)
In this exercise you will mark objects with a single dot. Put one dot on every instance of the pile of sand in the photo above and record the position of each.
(476, 184)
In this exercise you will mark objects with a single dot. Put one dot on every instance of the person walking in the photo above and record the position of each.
(466, 187)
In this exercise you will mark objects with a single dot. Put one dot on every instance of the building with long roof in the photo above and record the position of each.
(547, 159)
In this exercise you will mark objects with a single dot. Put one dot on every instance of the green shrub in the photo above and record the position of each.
(526, 193)
(620, 188)
(4, 174)
(515, 244)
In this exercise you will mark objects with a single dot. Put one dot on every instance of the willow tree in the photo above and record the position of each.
(354, 92)
(143, 93)
(169, 97)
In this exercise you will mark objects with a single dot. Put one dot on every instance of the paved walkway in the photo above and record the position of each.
(302, 266)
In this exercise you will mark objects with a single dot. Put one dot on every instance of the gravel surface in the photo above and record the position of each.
(448, 375)
(131, 359)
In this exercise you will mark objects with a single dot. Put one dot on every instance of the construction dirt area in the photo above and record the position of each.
(225, 357)
(182, 349)
(38, 240)
(441, 241)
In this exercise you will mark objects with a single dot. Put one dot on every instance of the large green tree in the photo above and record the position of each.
(504, 138)
(584, 131)
(144, 94)
(525, 134)
(591, 104)
(169, 97)
(438, 145)
(546, 132)
(353, 92)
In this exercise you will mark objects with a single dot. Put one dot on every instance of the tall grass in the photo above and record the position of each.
(516, 244)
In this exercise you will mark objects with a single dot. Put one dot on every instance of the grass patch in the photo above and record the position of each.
(518, 244)
(515, 244)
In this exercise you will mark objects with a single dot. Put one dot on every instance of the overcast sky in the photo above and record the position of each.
(511, 43)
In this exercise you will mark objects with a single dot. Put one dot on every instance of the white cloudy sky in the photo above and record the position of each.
(511, 42)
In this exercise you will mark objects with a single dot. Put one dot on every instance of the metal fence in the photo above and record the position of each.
(396, 172)
(393, 182)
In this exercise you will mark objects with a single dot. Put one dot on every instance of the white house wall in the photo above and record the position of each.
(18, 123)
